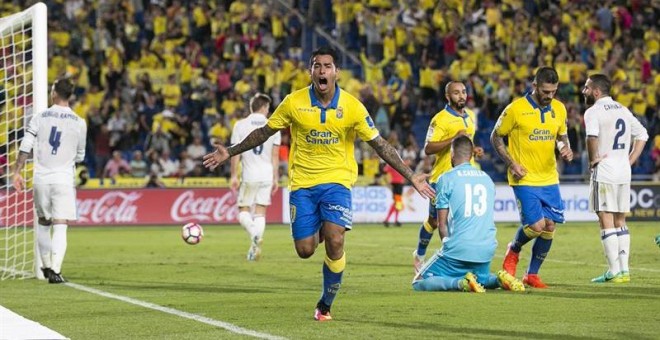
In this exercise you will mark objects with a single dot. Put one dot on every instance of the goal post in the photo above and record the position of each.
(23, 92)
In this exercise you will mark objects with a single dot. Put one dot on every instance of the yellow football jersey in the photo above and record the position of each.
(322, 138)
(446, 124)
(532, 132)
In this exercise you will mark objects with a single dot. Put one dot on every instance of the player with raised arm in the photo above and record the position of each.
(324, 122)
(260, 175)
(610, 127)
(58, 136)
(468, 237)
(534, 125)
(454, 120)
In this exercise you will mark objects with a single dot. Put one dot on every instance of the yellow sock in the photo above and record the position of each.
(547, 235)
(531, 233)
(428, 227)
(338, 265)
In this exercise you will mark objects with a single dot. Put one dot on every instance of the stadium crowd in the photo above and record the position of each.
(159, 82)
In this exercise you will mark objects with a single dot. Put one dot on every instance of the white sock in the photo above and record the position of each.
(259, 226)
(623, 234)
(245, 219)
(611, 247)
(45, 245)
(59, 246)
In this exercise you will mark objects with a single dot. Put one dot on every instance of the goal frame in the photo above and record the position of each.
(37, 16)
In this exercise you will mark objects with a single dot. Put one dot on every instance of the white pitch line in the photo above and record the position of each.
(221, 324)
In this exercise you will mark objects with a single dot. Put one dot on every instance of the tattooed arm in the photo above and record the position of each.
(500, 148)
(255, 138)
(221, 154)
(389, 154)
(516, 169)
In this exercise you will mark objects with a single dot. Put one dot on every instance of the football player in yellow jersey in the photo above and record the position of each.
(454, 120)
(324, 121)
(534, 125)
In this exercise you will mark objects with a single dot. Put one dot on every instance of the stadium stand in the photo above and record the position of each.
(170, 78)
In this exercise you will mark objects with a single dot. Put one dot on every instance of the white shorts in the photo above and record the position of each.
(55, 201)
(609, 197)
(252, 193)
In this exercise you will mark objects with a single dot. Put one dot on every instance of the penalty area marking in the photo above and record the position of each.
(220, 324)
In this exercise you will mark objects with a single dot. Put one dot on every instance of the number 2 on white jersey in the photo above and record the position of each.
(476, 194)
(621, 127)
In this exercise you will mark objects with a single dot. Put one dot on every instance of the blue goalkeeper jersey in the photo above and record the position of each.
(469, 194)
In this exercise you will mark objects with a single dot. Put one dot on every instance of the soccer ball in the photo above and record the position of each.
(192, 233)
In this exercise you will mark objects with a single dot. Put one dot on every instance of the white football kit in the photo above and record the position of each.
(58, 136)
(615, 126)
(257, 164)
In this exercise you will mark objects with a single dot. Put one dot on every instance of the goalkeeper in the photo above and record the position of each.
(468, 239)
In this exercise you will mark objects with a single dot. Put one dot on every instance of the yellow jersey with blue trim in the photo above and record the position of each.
(446, 124)
(532, 132)
(322, 138)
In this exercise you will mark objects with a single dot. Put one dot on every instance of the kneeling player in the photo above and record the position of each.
(468, 240)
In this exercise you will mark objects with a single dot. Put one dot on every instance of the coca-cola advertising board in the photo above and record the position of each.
(164, 206)
(147, 207)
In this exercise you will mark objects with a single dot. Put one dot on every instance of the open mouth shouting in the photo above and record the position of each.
(323, 84)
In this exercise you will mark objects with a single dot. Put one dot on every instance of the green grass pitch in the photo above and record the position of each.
(276, 296)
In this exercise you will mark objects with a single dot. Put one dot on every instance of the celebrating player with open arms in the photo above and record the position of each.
(324, 121)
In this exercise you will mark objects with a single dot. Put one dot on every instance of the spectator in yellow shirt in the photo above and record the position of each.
(171, 92)
(219, 133)
(373, 71)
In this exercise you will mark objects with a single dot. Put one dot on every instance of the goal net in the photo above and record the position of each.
(23, 91)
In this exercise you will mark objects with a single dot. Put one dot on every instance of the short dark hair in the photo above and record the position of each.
(601, 82)
(63, 88)
(462, 146)
(546, 75)
(325, 50)
(258, 101)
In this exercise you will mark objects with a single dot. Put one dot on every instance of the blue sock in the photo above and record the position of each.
(332, 280)
(437, 283)
(424, 238)
(523, 235)
(489, 282)
(540, 251)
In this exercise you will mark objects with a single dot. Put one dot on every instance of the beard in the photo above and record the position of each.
(543, 102)
(457, 105)
(589, 100)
